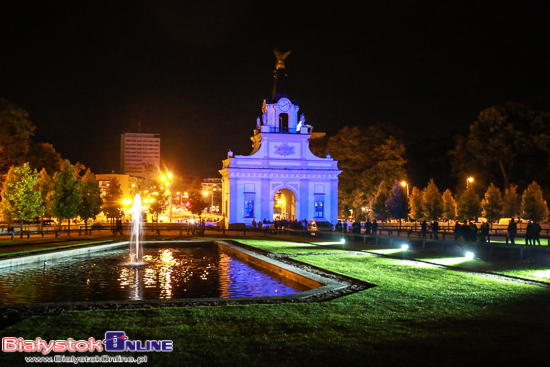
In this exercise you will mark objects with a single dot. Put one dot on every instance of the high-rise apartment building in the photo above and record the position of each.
(140, 154)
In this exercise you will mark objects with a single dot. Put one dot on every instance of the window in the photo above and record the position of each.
(283, 122)
(319, 209)
(249, 208)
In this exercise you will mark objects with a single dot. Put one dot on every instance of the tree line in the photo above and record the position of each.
(507, 148)
(430, 204)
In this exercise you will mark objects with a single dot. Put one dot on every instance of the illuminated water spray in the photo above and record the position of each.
(135, 245)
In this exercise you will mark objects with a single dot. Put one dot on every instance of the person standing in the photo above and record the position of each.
(435, 228)
(485, 232)
(368, 226)
(374, 227)
(512, 231)
(423, 229)
(536, 232)
(457, 230)
(529, 234)
(465, 231)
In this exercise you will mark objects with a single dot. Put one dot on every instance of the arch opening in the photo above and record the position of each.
(284, 205)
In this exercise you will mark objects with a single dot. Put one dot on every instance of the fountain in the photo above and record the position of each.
(135, 245)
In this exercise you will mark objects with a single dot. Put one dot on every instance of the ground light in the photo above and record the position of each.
(343, 240)
(404, 247)
(452, 260)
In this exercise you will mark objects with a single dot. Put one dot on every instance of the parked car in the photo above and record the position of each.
(50, 222)
(319, 226)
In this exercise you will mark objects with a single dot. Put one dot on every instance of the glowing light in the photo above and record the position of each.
(403, 183)
(470, 179)
(404, 247)
(469, 255)
(448, 261)
(127, 201)
(386, 251)
(343, 240)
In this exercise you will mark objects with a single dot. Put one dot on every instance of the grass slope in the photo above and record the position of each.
(417, 315)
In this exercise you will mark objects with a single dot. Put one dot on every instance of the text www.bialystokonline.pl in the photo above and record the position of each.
(86, 359)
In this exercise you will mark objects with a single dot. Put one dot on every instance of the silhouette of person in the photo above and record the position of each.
(374, 227)
(435, 228)
(458, 231)
(423, 229)
(512, 231)
(536, 232)
(368, 226)
(529, 234)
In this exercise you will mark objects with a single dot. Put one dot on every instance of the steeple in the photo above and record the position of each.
(279, 76)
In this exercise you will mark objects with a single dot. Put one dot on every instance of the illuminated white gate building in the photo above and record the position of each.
(281, 178)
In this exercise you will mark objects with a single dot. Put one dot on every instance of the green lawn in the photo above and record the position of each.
(417, 315)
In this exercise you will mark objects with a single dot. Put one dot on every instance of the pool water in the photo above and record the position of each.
(196, 271)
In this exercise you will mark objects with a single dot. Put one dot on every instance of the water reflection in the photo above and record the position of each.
(186, 272)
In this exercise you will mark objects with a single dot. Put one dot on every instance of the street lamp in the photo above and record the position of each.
(405, 184)
(469, 180)
(168, 178)
(205, 194)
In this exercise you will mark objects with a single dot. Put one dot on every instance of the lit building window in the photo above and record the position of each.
(319, 209)
(249, 208)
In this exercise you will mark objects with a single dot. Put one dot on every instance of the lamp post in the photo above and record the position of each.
(469, 180)
(168, 178)
(405, 184)
(205, 193)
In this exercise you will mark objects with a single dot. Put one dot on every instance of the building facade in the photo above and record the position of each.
(140, 154)
(129, 185)
(281, 178)
(211, 189)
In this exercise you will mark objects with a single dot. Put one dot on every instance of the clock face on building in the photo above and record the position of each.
(283, 104)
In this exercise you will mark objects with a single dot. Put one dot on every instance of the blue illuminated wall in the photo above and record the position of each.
(280, 159)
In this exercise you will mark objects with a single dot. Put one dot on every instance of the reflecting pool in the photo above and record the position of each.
(187, 271)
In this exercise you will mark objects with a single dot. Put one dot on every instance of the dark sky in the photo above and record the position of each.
(197, 71)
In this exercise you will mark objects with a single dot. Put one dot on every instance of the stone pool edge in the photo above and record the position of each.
(333, 286)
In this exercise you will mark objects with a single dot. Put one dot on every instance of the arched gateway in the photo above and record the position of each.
(281, 177)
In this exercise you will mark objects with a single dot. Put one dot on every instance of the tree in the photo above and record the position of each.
(20, 199)
(432, 202)
(533, 206)
(90, 198)
(378, 203)
(43, 155)
(449, 205)
(469, 205)
(503, 135)
(66, 194)
(15, 131)
(415, 204)
(160, 200)
(366, 156)
(112, 202)
(397, 203)
(492, 204)
(511, 202)
(45, 187)
(388, 166)
(196, 203)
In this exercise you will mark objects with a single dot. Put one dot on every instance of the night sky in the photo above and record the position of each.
(197, 71)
